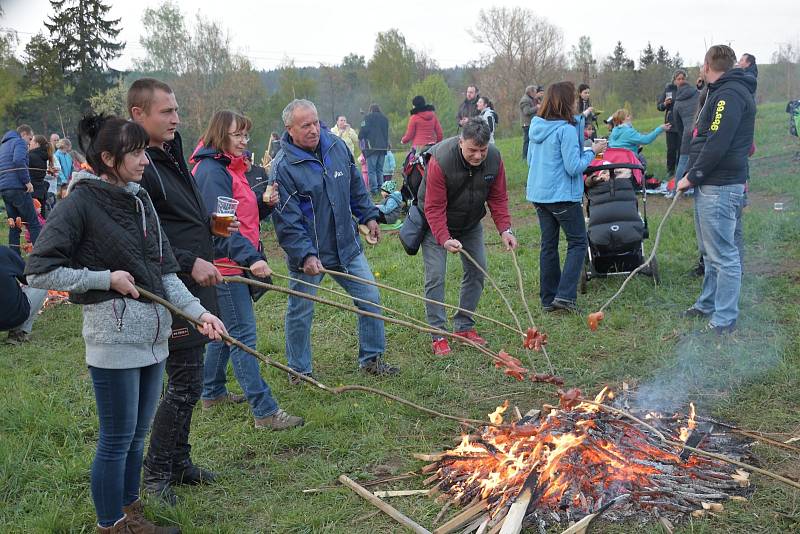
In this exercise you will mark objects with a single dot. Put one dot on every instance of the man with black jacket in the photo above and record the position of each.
(718, 170)
(374, 134)
(181, 209)
(665, 103)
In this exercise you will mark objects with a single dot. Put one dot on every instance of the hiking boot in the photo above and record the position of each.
(139, 523)
(295, 381)
(122, 526)
(17, 337)
(378, 367)
(227, 398)
(159, 487)
(192, 475)
(692, 313)
(564, 305)
(441, 347)
(473, 336)
(280, 420)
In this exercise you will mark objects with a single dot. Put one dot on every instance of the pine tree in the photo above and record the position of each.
(85, 40)
(662, 57)
(677, 61)
(618, 60)
(647, 57)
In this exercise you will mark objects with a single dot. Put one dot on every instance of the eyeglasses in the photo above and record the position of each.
(240, 136)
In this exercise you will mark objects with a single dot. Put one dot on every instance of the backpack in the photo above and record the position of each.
(793, 109)
(413, 172)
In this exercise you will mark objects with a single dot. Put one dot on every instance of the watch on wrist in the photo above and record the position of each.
(509, 232)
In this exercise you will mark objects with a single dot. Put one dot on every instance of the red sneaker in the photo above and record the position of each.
(441, 347)
(473, 336)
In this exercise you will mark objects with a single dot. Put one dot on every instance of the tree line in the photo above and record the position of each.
(63, 72)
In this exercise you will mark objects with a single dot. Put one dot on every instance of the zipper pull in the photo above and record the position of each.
(119, 324)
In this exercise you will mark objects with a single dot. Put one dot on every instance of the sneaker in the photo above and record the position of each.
(227, 398)
(564, 305)
(139, 523)
(17, 337)
(441, 347)
(693, 313)
(718, 330)
(548, 308)
(192, 475)
(280, 420)
(294, 381)
(378, 367)
(472, 335)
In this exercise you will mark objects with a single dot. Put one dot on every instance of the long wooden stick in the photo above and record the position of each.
(424, 299)
(726, 459)
(425, 329)
(494, 284)
(649, 258)
(386, 508)
(309, 380)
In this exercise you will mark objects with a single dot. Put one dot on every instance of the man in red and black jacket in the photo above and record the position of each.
(464, 174)
(181, 209)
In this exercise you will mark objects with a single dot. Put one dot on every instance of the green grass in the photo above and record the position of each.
(48, 425)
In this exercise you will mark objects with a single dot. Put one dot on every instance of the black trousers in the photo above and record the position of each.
(673, 150)
(169, 450)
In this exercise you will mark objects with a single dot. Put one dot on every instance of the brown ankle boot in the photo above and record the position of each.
(122, 526)
(139, 523)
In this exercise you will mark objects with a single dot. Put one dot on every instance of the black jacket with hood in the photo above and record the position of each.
(725, 126)
(183, 218)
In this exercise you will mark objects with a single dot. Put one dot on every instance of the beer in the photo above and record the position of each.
(220, 224)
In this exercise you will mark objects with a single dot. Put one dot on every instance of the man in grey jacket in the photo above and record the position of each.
(528, 107)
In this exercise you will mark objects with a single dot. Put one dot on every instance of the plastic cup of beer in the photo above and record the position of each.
(224, 216)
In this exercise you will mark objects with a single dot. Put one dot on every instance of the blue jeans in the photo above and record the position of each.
(236, 312)
(126, 401)
(553, 282)
(375, 170)
(718, 208)
(300, 313)
(19, 203)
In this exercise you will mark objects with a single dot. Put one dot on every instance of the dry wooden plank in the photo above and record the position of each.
(399, 493)
(384, 507)
(513, 522)
(467, 515)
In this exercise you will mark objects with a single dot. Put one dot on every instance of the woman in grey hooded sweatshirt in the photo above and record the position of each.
(104, 238)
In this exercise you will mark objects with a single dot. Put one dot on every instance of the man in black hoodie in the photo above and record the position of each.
(374, 134)
(181, 209)
(718, 170)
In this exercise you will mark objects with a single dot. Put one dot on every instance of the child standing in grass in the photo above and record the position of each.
(100, 241)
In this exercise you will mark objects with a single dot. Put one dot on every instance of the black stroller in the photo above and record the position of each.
(615, 228)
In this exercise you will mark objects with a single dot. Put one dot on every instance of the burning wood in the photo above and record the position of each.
(571, 461)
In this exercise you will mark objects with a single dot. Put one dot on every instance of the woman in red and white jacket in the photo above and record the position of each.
(220, 172)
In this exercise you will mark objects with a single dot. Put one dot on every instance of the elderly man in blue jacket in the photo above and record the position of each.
(321, 190)
(15, 183)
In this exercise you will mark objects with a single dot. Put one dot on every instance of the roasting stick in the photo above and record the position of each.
(528, 310)
(349, 276)
(596, 317)
(425, 329)
(307, 379)
(787, 481)
(494, 284)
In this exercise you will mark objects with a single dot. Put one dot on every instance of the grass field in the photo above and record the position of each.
(48, 427)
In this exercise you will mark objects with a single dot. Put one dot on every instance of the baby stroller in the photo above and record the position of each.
(615, 228)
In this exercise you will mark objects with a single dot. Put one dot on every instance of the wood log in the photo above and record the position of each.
(441, 512)
(432, 457)
(399, 493)
(467, 515)
(476, 525)
(384, 507)
(517, 512)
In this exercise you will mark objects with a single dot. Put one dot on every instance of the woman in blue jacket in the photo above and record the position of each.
(555, 186)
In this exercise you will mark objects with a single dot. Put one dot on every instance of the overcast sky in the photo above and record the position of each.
(311, 33)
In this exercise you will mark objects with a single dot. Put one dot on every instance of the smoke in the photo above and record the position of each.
(707, 368)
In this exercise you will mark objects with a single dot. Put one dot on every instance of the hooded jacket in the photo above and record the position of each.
(684, 111)
(98, 229)
(557, 161)
(219, 174)
(13, 302)
(423, 128)
(319, 195)
(528, 108)
(628, 137)
(375, 131)
(662, 105)
(38, 163)
(183, 216)
(725, 126)
(13, 162)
